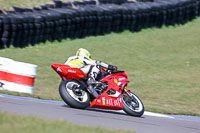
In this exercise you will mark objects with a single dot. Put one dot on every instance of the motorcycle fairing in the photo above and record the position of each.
(68, 73)
(116, 82)
(104, 101)
(119, 78)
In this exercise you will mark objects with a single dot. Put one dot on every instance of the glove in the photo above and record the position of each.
(112, 68)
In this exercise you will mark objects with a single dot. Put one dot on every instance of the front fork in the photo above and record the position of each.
(127, 92)
(132, 98)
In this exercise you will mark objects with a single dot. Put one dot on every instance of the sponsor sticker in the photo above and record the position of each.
(103, 100)
(120, 79)
(115, 80)
(117, 102)
(109, 102)
(71, 71)
(58, 69)
(112, 102)
(99, 101)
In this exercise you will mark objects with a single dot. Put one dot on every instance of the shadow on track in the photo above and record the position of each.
(102, 111)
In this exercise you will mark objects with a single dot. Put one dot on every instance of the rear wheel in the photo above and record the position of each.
(73, 95)
(132, 105)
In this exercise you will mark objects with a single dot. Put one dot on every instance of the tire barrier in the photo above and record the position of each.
(146, 0)
(17, 76)
(61, 20)
(118, 2)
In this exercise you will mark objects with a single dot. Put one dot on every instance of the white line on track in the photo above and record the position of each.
(157, 115)
(153, 114)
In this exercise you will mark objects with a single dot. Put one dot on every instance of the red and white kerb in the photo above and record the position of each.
(17, 76)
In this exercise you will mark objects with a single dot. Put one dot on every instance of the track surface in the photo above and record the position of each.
(56, 110)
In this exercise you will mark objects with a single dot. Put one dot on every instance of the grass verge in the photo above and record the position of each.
(28, 124)
(8, 4)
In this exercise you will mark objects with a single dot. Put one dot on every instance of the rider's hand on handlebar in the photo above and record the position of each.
(112, 68)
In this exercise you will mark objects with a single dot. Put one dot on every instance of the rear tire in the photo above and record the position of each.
(80, 100)
(133, 107)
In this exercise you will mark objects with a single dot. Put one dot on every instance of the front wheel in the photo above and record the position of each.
(73, 95)
(132, 105)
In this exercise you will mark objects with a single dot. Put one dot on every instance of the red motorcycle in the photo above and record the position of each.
(111, 87)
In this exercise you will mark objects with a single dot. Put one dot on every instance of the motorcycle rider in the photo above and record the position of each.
(90, 67)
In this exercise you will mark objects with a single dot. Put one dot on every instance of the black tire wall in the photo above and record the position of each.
(24, 26)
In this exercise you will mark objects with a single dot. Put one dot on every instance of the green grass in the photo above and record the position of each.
(29, 124)
(8, 4)
(163, 65)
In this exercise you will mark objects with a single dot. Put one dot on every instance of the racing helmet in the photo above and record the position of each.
(83, 52)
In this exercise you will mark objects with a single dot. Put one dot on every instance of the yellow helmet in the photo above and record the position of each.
(84, 53)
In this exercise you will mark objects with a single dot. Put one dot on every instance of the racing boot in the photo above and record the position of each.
(91, 82)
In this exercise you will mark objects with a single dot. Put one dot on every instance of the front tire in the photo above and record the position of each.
(74, 99)
(132, 105)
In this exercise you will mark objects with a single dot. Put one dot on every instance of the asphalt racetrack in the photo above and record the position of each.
(58, 110)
